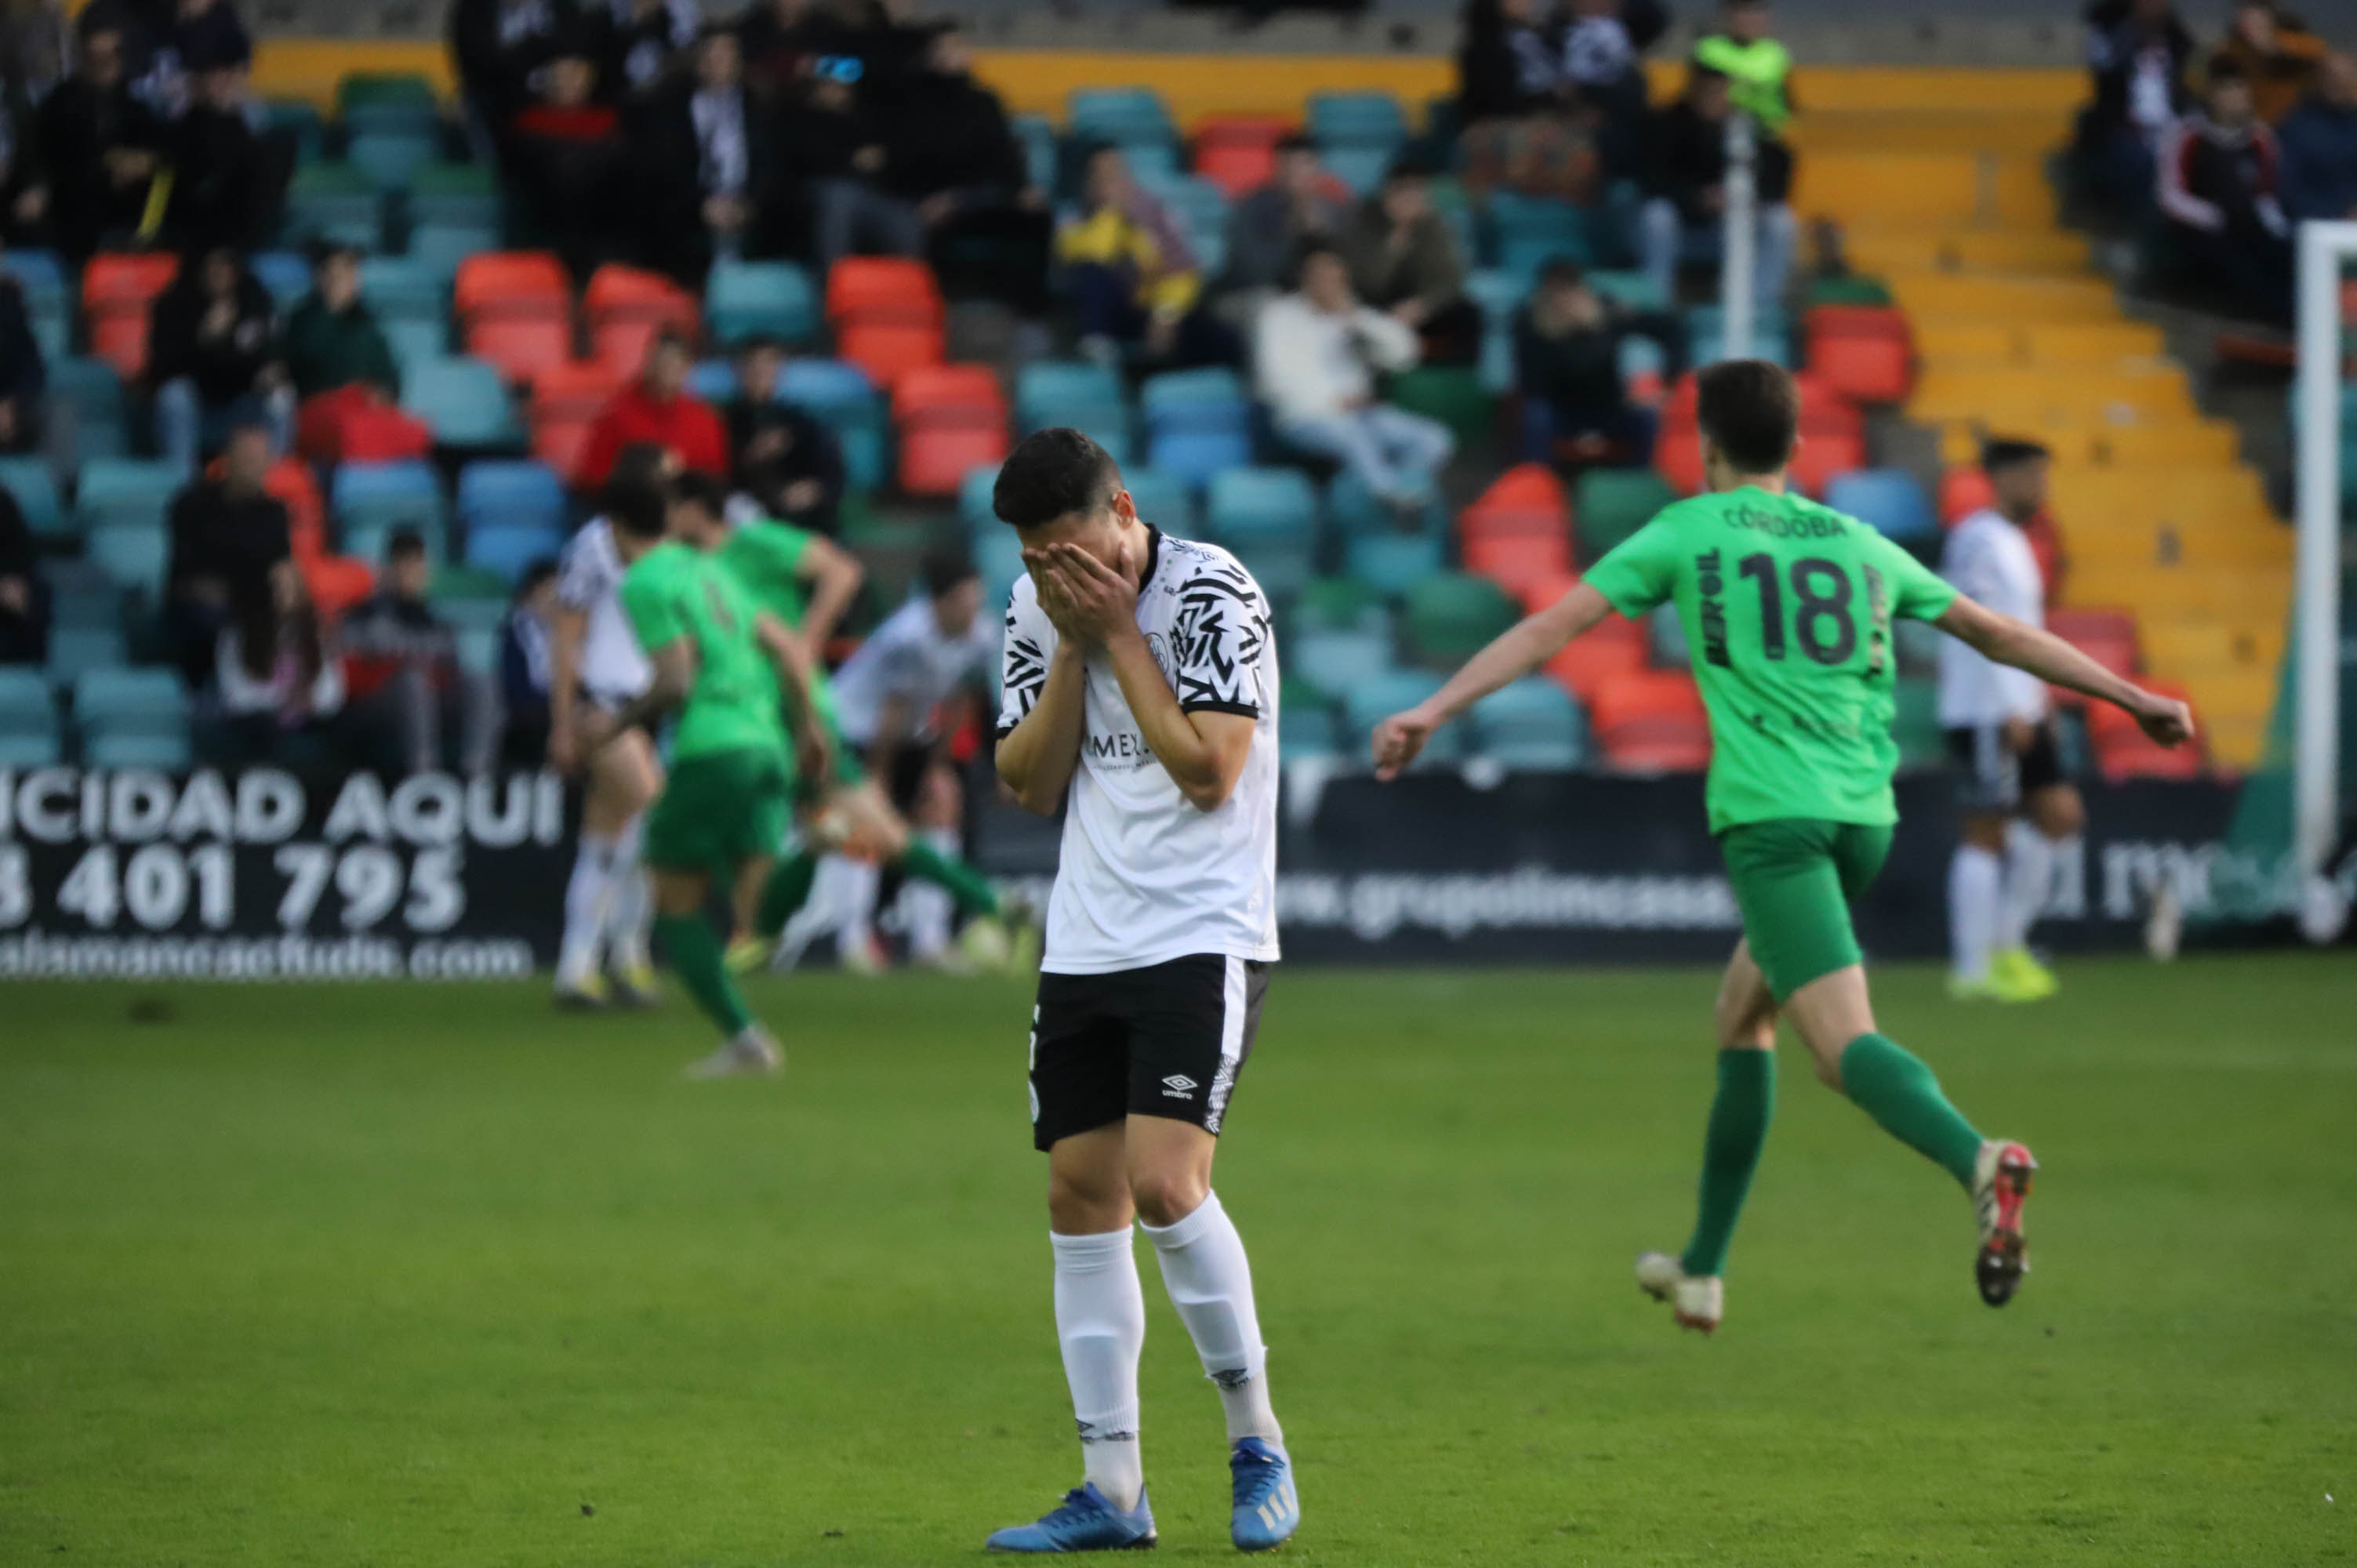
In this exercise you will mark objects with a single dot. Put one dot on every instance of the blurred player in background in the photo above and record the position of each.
(724, 665)
(890, 699)
(2021, 815)
(1788, 605)
(596, 666)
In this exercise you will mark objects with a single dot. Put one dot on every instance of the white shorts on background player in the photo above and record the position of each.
(611, 667)
(1145, 876)
(1989, 560)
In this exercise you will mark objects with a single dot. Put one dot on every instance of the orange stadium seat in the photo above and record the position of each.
(2108, 637)
(1511, 560)
(1537, 593)
(533, 281)
(953, 419)
(1963, 490)
(1238, 151)
(117, 294)
(566, 400)
(2123, 751)
(1651, 721)
(860, 283)
(337, 583)
(626, 308)
(888, 342)
(1587, 664)
(1861, 351)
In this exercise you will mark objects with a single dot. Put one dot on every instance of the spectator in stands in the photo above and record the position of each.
(2275, 52)
(570, 163)
(1603, 42)
(835, 143)
(1526, 128)
(1315, 355)
(951, 151)
(656, 409)
(2138, 52)
(2320, 147)
(1686, 190)
(711, 167)
(788, 463)
(779, 38)
(22, 374)
(275, 669)
(502, 49)
(230, 547)
(525, 668)
(1405, 258)
(642, 35)
(1133, 273)
(34, 46)
(24, 194)
(213, 356)
(23, 599)
(1568, 342)
(332, 338)
(98, 146)
(407, 688)
(1759, 70)
(2218, 184)
(228, 184)
(199, 33)
(1301, 202)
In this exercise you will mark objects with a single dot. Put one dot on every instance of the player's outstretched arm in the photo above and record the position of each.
(1518, 651)
(2025, 646)
(834, 575)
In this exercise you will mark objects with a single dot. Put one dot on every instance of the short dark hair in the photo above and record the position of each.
(403, 542)
(324, 250)
(1050, 473)
(637, 505)
(1698, 74)
(759, 342)
(946, 570)
(699, 488)
(1309, 250)
(2003, 452)
(1752, 412)
(539, 572)
(1408, 167)
(638, 462)
(2226, 73)
(670, 337)
(1562, 270)
(1295, 142)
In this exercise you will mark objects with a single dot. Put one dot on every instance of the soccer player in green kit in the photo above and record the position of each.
(1787, 607)
(768, 560)
(725, 664)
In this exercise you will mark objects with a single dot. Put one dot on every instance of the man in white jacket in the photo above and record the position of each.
(1316, 353)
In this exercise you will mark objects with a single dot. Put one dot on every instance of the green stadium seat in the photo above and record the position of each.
(454, 580)
(1530, 723)
(463, 400)
(1341, 604)
(376, 102)
(334, 202)
(389, 159)
(461, 196)
(34, 490)
(1448, 617)
(1610, 504)
(745, 299)
(126, 489)
(1854, 289)
(1329, 661)
(1395, 562)
(1452, 394)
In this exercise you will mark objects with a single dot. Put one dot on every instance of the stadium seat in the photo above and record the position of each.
(1355, 120)
(998, 556)
(507, 548)
(372, 102)
(1614, 648)
(1665, 639)
(126, 490)
(1131, 118)
(1915, 723)
(372, 496)
(369, 536)
(1202, 209)
(2108, 637)
(1085, 397)
(1613, 503)
(1037, 134)
(1310, 728)
(1377, 695)
(1162, 499)
(462, 400)
(889, 341)
(28, 720)
(952, 418)
(1650, 721)
(1825, 456)
(334, 202)
(132, 718)
(300, 121)
(1861, 351)
(48, 304)
(525, 282)
(117, 294)
(284, 274)
(1530, 723)
(745, 299)
(974, 492)
(1197, 423)
(133, 555)
(1331, 661)
(521, 348)
(860, 283)
(1452, 394)
(1395, 562)
(1268, 516)
(455, 195)
(389, 159)
(1889, 499)
(401, 288)
(1511, 560)
(1353, 509)
(415, 340)
(1341, 604)
(74, 651)
(442, 248)
(1238, 151)
(2123, 751)
(625, 308)
(92, 389)
(509, 493)
(842, 396)
(1450, 615)
(34, 490)
(1963, 490)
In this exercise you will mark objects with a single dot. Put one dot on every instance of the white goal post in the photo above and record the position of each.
(2316, 622)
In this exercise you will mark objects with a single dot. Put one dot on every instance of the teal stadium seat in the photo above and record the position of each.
(92, 393)
(1309, 730)
(441, 246)
(1197, 423)
(508, 548)
(1394, 563)
(372, 102)
(1530, 723)
(1037, 134)
(334, 202)
(464, 401)
(1085, 396)
(462, 196)
(1330, 661)
(511, 492)
(132, 718)
(29, 735)
(1450, 615)
(133, 555)
(746, 299)
(1356, 120)
(378, 497)
(975, 513)
(114, 490)
(35, 489)
(1892, 500)
(1355, 511)
(1132, 118)
(1268, 516)
(840, 396)
(390, 159)
(301, 120)
(401, 288)
(1162, 499)
(75, 650)
(284, 274)
(1665, 639)
(1375, 697)
(1342, 603)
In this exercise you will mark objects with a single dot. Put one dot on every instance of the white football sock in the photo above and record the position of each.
(1101, 1324)
(2029, 882)
(858, 931)
(633, 907)
(1975, 878)
(1209, 1281)
(821, 913)
(588, 895)
(926, 909)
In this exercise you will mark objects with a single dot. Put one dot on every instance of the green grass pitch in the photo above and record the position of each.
(372, 1278)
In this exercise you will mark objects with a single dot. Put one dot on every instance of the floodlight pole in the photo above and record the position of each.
(1738, 246)
(2316, 804)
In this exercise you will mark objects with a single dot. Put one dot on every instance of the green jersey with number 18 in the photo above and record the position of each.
(1787, 609)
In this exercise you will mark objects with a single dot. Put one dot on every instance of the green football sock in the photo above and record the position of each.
(1738, 1131)
(1903, 1095)
(694, 950)
(966, 886)
(787, 890)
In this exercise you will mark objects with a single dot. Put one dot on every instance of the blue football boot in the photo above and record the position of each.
(1267, 1509)
(1084, 1522)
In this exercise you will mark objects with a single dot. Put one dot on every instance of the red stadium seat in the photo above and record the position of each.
(2123, 751)
(1824, 456)
(860, 284)
(2107, 636)
(532, 281)
(521, 348)
(337, 583)
(1510, 560)
(566, 400)
(953, 419)
(1651, 721)
(887, 343)
(1677, 458)
(117, 294)
(1238, 151)
(1537, 593)
(1526, 487)
(1587, 663)
(1861, 351)
(1963, 490)
(627, 309)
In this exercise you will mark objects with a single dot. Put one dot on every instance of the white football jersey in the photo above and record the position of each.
(612, 668)
(908, 660)
(1144, 877)
(1989, 561)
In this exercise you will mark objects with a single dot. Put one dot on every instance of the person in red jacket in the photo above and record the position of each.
(656, 408)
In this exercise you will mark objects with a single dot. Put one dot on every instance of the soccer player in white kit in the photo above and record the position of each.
(889, 699)
(596, 660)
(2021, 815)
(1140, 678)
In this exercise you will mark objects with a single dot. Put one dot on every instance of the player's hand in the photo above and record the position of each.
(1050, 589)
(814, 753)
(1102, 601)
(2165, 719)
(1399, 738)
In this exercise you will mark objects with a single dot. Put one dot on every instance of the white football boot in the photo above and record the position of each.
(1698, 1300)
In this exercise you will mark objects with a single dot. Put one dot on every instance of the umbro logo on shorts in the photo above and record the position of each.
(1177, 1086)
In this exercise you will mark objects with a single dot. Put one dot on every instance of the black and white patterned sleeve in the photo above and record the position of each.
(1219, 643)
(1023, 660)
